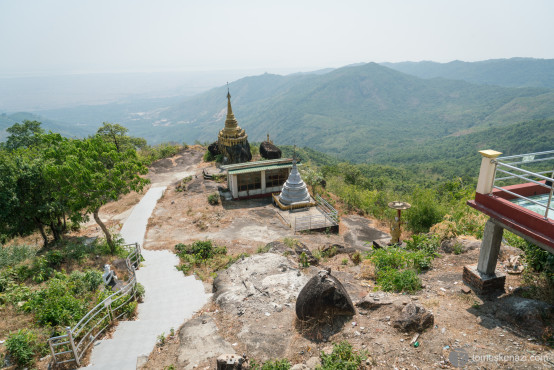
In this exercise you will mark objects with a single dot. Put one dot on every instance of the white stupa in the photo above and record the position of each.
(294, 190)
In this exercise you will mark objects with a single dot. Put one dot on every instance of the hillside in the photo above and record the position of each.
(514, 72)
(356, 112)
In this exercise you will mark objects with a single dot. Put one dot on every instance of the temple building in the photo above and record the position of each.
(294, 190)
(232, 141)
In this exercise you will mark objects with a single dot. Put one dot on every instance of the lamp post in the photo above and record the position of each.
(396, 229)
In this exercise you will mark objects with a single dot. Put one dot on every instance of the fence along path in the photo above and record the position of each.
(171, 298)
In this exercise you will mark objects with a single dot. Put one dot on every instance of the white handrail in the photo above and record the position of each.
(67, 342)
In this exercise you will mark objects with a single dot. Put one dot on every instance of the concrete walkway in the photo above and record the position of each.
(171, 298)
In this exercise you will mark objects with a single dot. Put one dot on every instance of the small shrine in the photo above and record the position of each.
(232, 141)
(295, 192)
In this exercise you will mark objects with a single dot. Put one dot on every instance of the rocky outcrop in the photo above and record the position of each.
(298, 249)
(237, 153)
(269, 151)
(323, 296)
(414, 318)
(526, 313)
(213, 148)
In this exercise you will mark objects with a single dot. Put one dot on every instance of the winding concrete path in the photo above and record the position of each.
(171, 298)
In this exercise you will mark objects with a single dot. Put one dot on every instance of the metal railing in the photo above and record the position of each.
(328, 218)
(511, 166)
(72, 346)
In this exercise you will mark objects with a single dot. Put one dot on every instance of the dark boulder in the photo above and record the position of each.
(238, 153)
(269, 151)
(323, 296)
(414, 318)
(213, 148)
(331, 250)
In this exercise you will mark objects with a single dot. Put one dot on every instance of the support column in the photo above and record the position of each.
(490, 248)
(484, 278)
(234, 186)
(263, 182)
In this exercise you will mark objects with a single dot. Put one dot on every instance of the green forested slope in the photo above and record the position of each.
(356, 112)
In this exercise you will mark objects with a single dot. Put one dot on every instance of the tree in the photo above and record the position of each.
(24, 135)
(97, 173)
(116, 134)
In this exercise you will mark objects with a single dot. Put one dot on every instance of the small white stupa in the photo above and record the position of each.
(294, 190)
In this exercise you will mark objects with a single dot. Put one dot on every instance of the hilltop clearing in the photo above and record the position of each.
(265, 327)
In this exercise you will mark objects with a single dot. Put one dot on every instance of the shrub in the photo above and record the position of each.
(55, 305)
(282, 364)
(213, 199)
(391, 280)
(54, 258)
(140, 292)
(21, 346)
(304, 260)
(425, 211)
(342, 357)
(425, 243)
(356, 257)
(14, 254)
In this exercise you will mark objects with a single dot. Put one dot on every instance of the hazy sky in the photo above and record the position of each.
(71, 36)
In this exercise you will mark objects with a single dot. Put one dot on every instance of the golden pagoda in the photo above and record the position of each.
(232, 140)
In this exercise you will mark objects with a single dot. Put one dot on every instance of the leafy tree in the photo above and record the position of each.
(117, 134)
(97, 173)
(24, 134)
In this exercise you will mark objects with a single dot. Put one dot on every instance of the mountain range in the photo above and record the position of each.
(362, 112)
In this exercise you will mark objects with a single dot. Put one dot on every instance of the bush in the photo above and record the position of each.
(342, 357)
(54, 258)
(213, 199)
(200, 251)
(282, 364)
(425, 211)
(14, 254)
(56, 305)
(425, 243)
(391, 280)
(21, 347)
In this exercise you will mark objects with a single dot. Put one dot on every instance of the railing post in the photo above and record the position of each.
(72, 343)
(487, 172)
(52, 351)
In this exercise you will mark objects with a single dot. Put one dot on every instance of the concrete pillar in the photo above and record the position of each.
(263, 182)
(234, 186)
(486, 174)
(490, 247)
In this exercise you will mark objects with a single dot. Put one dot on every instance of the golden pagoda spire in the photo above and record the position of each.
(229, 109)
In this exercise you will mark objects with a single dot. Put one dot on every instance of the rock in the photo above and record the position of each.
(213, 148)
(199, 341)
(459, 246)
(313, 362)
(323, 295)
(299, 367)
(269, 151)
(374, 300)
(331, 250)
(231, 362)
(526, 313)
(465, 289)
(282, 248)
(141, 361)
(414, 318)
(238, 153)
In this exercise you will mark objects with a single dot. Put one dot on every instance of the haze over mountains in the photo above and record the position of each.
(356, 112)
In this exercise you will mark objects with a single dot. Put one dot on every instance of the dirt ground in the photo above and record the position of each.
(467, 323)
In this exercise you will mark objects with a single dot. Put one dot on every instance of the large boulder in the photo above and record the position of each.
(414, 318)
(238, 153)
(213, 148)
(269, 151)
(323, 296)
